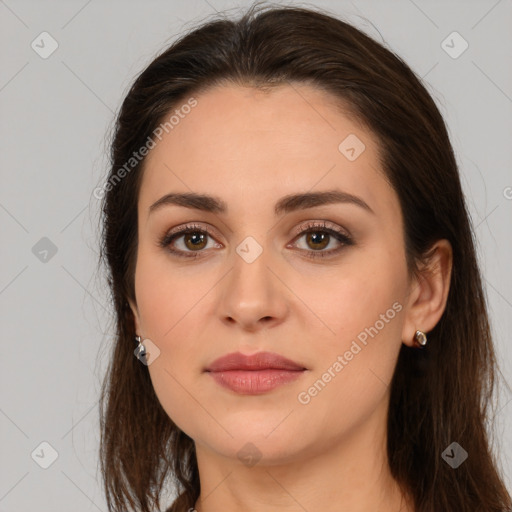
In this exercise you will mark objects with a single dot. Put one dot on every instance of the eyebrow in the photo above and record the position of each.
(286, 204)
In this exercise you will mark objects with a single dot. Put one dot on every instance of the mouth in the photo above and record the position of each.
(254, 374)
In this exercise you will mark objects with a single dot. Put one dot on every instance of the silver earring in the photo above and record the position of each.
(140, 351)
(420, 338)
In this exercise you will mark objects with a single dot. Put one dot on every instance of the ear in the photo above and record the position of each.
(428, 292)
(136, 319)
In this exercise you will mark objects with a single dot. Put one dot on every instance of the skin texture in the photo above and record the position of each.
(251, 148)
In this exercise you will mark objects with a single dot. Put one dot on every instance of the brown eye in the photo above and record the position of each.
(188, 241)
(195, 240)
(317, 236)
(192, 240)
(317, 240)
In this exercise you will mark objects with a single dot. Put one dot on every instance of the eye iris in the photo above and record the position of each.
(318, 238)
(196, 239)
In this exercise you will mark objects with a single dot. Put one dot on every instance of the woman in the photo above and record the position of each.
(295, 264)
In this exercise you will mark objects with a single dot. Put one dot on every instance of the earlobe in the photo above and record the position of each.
(429, 293)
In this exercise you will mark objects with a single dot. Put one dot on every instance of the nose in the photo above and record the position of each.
(253, 295)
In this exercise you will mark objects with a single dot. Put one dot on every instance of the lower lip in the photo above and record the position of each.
(255, 382)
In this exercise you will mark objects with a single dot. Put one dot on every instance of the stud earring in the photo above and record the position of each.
(420, 339)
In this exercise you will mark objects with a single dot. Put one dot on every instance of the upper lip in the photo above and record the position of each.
(258, 361)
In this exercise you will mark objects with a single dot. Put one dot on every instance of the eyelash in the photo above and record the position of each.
(311, 227)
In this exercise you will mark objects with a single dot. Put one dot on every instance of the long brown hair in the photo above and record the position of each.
(438, 395)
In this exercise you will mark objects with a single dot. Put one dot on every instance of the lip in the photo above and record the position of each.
(258, 361)
(254, 374)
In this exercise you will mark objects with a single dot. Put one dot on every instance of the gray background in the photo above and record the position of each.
(55, 115)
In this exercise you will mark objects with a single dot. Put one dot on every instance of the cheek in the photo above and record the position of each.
(364, 294)
(169, 304)
(354, 366)
(362, 304)
(167, 295)
(175, 306)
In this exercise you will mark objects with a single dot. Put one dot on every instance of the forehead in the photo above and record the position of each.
(245, 145)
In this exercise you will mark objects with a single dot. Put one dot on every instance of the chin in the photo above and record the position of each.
(261, 443)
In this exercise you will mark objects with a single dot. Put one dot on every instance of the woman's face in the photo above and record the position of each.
(257, 282)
